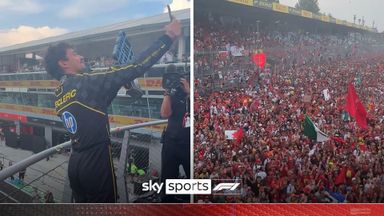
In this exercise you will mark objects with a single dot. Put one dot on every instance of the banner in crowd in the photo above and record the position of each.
(326, 94)
(229, 134)
(236, 51)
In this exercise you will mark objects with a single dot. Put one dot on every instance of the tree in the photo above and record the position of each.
(309, 5)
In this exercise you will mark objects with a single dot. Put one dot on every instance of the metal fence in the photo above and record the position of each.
(136, 151)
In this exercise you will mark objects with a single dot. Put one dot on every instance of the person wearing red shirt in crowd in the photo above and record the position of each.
(286, 93)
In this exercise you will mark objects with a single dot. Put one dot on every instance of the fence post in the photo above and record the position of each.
(121, 166)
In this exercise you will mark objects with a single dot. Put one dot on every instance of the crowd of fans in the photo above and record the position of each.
(273, 159)
(100, 62)
(214, 49)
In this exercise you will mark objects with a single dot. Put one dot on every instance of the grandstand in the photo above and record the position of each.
(249, 119)
(29, 123)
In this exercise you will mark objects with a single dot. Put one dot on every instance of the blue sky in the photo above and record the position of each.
(25, 20)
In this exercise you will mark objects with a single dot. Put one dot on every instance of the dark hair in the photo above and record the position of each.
(171, 69)
(54, 54)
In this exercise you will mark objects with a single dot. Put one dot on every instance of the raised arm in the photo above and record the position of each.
(108, 83)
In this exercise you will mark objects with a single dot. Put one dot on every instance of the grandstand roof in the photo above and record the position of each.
(270, 13)
(99, 32)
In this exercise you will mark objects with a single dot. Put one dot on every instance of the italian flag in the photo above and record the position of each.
(312, 132)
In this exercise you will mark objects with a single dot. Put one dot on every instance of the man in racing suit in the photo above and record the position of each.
(81, 103)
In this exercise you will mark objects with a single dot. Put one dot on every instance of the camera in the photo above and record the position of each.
(171, 82)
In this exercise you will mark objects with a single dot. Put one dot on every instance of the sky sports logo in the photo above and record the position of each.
(194, 186)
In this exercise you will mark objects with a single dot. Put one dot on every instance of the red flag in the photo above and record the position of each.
(259, 59)
(355, 108)
(361, 115)
(350, 107)
(238, 135)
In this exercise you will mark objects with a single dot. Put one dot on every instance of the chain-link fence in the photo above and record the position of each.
(136, 156)
(142, 162)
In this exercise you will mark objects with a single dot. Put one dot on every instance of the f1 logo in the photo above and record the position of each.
(226, 186)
